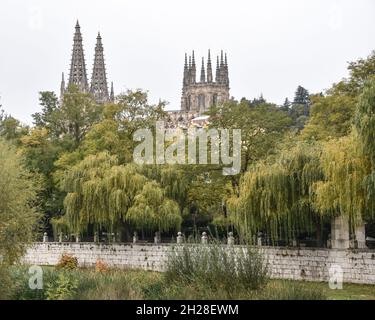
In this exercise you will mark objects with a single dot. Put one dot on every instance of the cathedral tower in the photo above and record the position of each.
(198, 97)
(99, 87)
(78, 75)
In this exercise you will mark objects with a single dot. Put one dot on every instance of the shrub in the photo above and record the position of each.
(101, 266)
(63, 288)
(217, 268)
(68, 262)
(20, 279)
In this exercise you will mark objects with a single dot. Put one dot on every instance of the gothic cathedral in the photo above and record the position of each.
(198, 97)
(78, 75)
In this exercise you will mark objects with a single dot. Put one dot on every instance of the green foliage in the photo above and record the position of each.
(365, 120)
(341, 191)
(153, 210)
(275, 196)
(48, 118)
(360, 71)
(331, 117)
(11, 129)
(77, 113)
(18, 214)
(217, 268)
(63, 288)
(301, 97)
(104, 194)
(262, 127)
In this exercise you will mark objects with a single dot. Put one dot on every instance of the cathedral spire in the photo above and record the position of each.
(112, 95)
(226, 70)
(217, 75)
(222, 68)
(193, 69)
(186, 72)
(78, 75)
(62, 87)
(99, 87)
(203, 72)
(209, 68)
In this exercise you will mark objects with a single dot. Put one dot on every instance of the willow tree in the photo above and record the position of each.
(100, 193)
(342, 192)
(153, 210)
(275, 195)
(365, 125)
(348, 188)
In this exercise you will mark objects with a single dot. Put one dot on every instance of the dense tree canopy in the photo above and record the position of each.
(302, 163)
(18, 204)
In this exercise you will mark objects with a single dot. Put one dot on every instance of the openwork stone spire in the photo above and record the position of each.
(217, 75)
(62, 87)
(99, 87)
(78, 75)
(112, 96)
(203, 73)
(209, 68)
(193, 69)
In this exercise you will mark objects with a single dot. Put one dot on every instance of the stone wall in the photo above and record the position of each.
(309, 264)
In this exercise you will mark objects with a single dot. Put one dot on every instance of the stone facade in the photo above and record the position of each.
(309, 264)
(198, 97)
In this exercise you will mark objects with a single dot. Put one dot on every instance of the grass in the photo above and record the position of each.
(210, 272)
(87, 284)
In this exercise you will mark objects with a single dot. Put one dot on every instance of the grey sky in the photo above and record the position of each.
(273, 46)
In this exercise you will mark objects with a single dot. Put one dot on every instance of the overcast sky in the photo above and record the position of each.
(273, 46)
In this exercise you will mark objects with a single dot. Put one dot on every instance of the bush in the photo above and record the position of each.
(101, 266)
(217, 268)
(68, 262)
(20, 289)
(63, 288)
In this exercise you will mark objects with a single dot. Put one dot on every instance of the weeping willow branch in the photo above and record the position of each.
(103, 194)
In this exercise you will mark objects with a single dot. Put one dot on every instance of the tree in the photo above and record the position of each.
(103, 194)
(365, 125)
(274, 195)
(49, 118)
(40, 153)
(261, 127)
(341, 191)
(301, 96)
(10, 128)
(331, 116)
(286, 105)
(18, 214)
(77, 113)
(300, 108)
(360, 72)
(153, 210)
